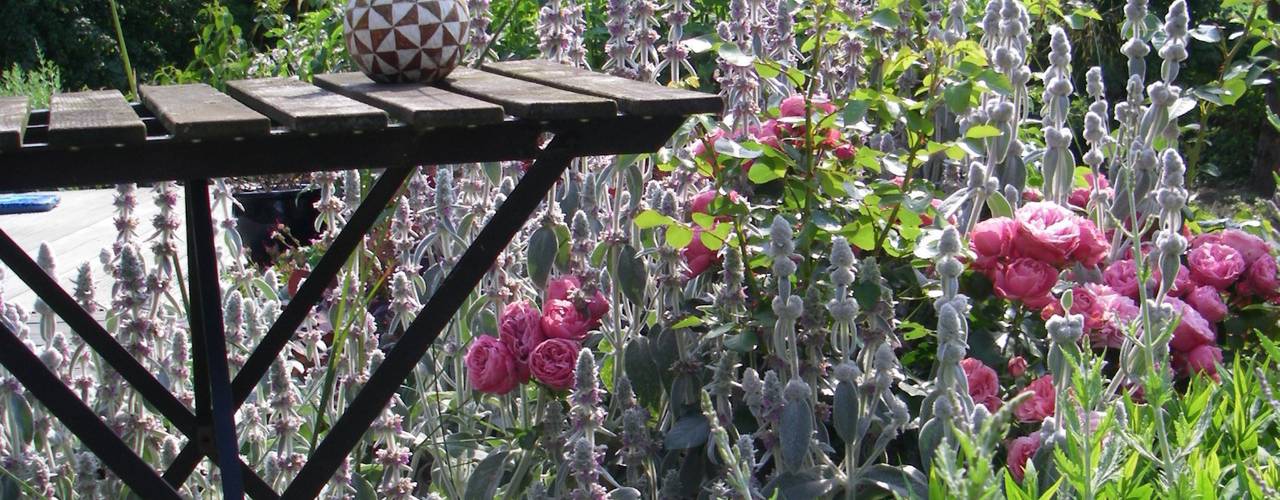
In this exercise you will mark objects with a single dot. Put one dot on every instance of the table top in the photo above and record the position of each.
(341, 102)
(342, 120)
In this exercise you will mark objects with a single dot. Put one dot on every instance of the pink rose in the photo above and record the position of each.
(1192, 330)
(561, 319)
(1260, 278)
(845, 152)
(1182, 283)
(1028, 280)
(1215, 264)
(1122, 276)
(553, 363)
(702, 201)
(1020, 451)
(697, 257)
(1080, 196)
(1040, 404)
(984, 385)
(1017, 366)
(1046, 232)
(520, 328)
(1093, 246)
(569, 288)
(491, 366)
(991, 240)
(1203, 359)
(1208, 302)
(1032, 194)
(1119, 312)
(1250, 247)
(794, 106)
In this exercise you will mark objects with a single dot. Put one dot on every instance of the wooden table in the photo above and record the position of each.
(192, 133)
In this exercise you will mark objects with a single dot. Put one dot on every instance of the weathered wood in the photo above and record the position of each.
(303, 107)
(633, 97)
(527, 99)
(93, 118)
(198, 111)
(13, 122)
(413, 103)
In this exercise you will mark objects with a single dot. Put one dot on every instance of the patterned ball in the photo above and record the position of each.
(397, 41)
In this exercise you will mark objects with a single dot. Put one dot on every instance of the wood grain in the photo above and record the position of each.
(13, 122)
(527, 99)
(93, 118)
(633, 97)
(413, 103)
(198, 111)
(303, 107)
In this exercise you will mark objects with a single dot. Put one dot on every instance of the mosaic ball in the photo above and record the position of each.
(400, 41)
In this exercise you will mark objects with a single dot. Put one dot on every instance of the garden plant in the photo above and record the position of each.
(924, 253)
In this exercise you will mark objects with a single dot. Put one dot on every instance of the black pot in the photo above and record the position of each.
(264, 214)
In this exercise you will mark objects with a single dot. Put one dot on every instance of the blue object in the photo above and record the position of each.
(21, 203)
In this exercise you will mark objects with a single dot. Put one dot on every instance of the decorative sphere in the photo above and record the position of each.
(397, 41)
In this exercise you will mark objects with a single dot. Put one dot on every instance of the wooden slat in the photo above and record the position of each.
(303, 107)
(198, 111)
(13, 122)
(93, 118)
(413, 103)
(633, 97)
(527, 99)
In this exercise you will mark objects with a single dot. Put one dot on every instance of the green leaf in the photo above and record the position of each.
(483, 483)
(1235, 89)
(982, 132)
(744, 342)
(633, 276)
(999, 206)
(761, 173)
(845, 411)
(705, 221)
(855, 111)
(651, 218)
(688, 432)
(687, 322)
(679, 236)
(767, 69)
(21, 420)
(731, 148)
(543, 246)
(735, 57)
(795, 434)
(642, 369)
(957, 97)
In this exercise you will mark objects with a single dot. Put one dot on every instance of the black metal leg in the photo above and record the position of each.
(64, 404)
(207, 329)
(432, 319)
(309, 293)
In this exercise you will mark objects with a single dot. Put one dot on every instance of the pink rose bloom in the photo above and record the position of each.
(702, 201)
(1215, 264)
(1182, 283)
(1093, 246)
(520, 328)
(697, 256)
(984, 385)
(794, 106)
(1122, 276)
(1208, 302)
(1260, 278)
(568, 287)
(1041, 403)
(1192, 331)
(1017, 366)
(1080, 196)
(1046, 232)
(1020, 451)
(1250, 247)
(845, 151)
(491, 366)
(561, 319)
(1203, 359)
(1028, 280)
(991, 240)
(553, 363)
(1119, 312)
(1032, 194)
